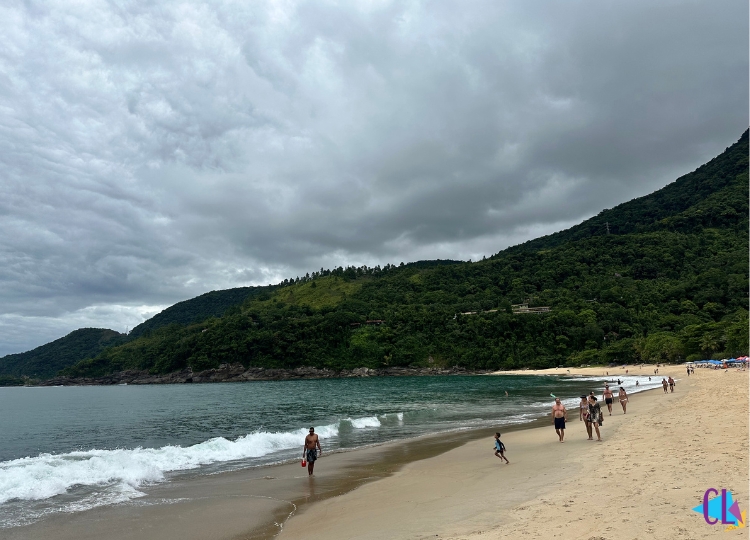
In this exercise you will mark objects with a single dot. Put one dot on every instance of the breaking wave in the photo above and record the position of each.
(125, 470)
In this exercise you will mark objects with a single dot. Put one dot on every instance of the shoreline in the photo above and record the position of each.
(251, 503)
(535, 428)
(344, 470)
(643, 480)
(633, 370)
(238, 373)
(378, 483)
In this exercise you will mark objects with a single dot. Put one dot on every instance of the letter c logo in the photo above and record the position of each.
(705, 506)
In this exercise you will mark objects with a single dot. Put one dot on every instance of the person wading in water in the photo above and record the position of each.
(311, 449)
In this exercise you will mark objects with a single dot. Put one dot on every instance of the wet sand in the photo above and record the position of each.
(642, 481)
(248, 504)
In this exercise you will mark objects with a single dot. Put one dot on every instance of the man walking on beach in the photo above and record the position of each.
(608, 398)
(559, 415)
(664, 384)
(671, 383)
(311, 449)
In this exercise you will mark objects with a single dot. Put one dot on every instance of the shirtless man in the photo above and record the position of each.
(664, 384)
(607, 394)
(559, 416)
(310, 450)
(671, 383)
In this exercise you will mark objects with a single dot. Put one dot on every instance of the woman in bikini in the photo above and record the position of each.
(584, 414)
(623, 396)
(595, 414)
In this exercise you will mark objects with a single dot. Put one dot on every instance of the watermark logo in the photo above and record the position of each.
(720, 508)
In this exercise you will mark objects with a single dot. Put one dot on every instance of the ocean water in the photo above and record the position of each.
(68, 449)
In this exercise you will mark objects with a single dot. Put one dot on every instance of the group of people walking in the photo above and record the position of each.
(589, 412)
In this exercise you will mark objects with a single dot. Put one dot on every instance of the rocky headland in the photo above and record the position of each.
(238, 373)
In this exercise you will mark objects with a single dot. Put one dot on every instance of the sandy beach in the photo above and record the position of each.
(651, 469)
(642, 481)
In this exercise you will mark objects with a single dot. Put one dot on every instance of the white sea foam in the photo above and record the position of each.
(368, 421)
(517, 418)
(47, 475)
(400, 416)
(628, 382)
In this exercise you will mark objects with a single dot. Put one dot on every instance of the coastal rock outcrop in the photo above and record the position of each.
(236, 372)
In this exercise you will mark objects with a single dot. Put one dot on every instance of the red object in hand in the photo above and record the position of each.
(304, 463)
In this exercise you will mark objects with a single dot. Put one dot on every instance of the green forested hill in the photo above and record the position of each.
(647, 213)
(210, 304)
(45, 361)
(669, 282)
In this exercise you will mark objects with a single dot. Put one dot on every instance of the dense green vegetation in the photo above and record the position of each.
(670, 282)
(47, 360)
(210, 304)
(653, 211)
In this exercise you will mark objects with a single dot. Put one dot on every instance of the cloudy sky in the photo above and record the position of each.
(153, 151)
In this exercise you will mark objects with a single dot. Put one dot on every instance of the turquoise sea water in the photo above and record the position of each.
(71, 448)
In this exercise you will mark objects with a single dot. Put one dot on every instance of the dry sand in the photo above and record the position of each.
(643, 370)
(653, 467)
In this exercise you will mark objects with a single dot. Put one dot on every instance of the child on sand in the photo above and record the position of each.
(500, 448)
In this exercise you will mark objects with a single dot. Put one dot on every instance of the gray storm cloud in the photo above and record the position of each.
(150, 152)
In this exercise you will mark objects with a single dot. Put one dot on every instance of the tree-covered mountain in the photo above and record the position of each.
(669, 281)
(210, 304)
(648, 213)
(43, 362)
